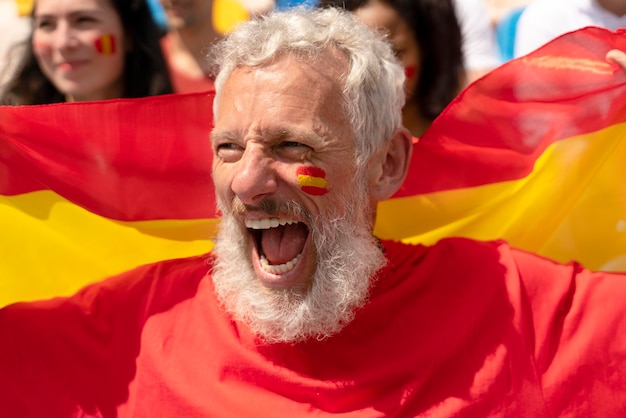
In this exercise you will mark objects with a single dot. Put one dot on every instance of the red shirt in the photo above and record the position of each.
(462, 328)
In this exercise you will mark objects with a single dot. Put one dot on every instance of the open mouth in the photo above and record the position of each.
(279, 243)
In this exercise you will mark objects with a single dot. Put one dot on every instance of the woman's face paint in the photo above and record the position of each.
(105, 44)
(312, 180)
(409, 71)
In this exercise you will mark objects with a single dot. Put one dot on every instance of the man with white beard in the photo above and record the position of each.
(299, 310)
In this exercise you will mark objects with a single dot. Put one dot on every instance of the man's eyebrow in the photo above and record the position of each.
(278, 134)
(221, 136)
(294, 135)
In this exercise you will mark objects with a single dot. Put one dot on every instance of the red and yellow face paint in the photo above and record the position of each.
(105, 44)
(312, 180)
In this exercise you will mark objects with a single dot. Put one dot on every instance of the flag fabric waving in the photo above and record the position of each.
(88, 190)
(532, 153)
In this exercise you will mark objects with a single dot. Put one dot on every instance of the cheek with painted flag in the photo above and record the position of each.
(312, 180)
(106, 44)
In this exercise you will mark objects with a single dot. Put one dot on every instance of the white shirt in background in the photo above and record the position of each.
(13, 30)
(544, 20)
(479, 43)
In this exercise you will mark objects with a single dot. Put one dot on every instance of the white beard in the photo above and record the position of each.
(348, 258)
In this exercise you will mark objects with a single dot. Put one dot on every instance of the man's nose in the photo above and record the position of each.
(256, 178)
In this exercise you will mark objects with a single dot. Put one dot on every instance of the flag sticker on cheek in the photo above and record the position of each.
(312, 180)
(106, 44)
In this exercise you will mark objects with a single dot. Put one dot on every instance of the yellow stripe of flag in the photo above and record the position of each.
(306, 180)
(66, 247)
(571, 207)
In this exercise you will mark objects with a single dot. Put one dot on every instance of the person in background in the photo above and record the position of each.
(190, 32)
(299, 310)
(543, 20)
(15, 25)
(426, 37)
(480, 50)
(83, 50)
(499, 9)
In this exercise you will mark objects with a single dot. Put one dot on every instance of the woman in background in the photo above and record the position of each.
(82, 50)
(427, 39)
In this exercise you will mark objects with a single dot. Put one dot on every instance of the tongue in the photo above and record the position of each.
(282, 244)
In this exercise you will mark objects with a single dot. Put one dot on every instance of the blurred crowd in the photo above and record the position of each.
(72, 50)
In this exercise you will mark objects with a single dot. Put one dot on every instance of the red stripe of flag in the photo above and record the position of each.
(486, 135)
(311, 171)
(160, 169)
(106, 44)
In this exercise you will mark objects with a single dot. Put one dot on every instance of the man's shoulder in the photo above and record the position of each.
(467, 252)
(449, 246)
(469, 260)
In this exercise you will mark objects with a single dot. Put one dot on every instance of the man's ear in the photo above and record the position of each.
(391, 165)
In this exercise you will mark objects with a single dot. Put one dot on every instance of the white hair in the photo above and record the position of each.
(372, 85)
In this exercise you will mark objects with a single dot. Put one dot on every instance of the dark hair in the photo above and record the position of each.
(145, 70)
(438, 35)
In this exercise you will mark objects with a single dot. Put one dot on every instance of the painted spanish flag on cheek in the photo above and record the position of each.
(105, 44)
(312, 180)
(532, 153)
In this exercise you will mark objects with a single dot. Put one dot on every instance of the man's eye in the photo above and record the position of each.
(228, 152)
(292, 149)
(290, 144)
(294, 145)
(227, 145)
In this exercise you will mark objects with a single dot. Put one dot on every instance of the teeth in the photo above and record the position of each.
(267, 223)
(279, 268)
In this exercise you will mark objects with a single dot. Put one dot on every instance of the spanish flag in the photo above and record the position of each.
(105, 44)
(533, 153)
(88, 190)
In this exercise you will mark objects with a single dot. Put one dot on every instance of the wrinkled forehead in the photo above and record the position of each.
(295, 88)
(327, 66)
